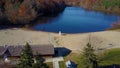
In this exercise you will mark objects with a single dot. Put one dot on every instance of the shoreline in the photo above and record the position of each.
(106, 11)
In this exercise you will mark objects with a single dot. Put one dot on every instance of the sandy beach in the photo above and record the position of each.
(20, 37)
(74, 42)
(99, 40)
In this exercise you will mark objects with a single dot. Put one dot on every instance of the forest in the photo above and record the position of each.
(107, 6)
(25, 11)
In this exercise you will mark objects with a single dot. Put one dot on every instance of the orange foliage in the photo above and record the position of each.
(18, 11)
(22, 10)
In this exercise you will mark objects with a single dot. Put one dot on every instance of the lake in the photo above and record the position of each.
(77, 20)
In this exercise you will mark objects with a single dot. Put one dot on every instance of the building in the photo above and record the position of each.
(12, 52)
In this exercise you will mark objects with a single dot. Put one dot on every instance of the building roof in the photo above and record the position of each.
(16, 50)
(2, 49)
(43, 50)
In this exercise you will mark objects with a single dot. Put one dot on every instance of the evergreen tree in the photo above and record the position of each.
(89, 59)
(26, 57)
(39, 62)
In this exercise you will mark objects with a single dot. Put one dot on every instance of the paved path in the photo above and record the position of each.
(56, 64)
(52, 40)
(55, 61)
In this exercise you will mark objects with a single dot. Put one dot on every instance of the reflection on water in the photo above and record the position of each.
(76, 20)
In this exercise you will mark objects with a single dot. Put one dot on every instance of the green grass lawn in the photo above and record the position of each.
(110, 57)
(50, 64)
(62, 64)
(75, 57)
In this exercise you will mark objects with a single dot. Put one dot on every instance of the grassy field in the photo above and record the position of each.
(111, 3)
(50, 64)
(62, 64)
(108, 57)
(73, 57)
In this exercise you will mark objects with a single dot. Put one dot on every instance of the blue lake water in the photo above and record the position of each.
(77, 20)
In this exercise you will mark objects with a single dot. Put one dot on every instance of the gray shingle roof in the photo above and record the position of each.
(16, 50)
(2, 49)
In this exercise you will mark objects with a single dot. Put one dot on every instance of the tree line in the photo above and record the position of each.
(25, 11)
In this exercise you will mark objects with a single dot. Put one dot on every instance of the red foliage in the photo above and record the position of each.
(18, 11)
(22, 10)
